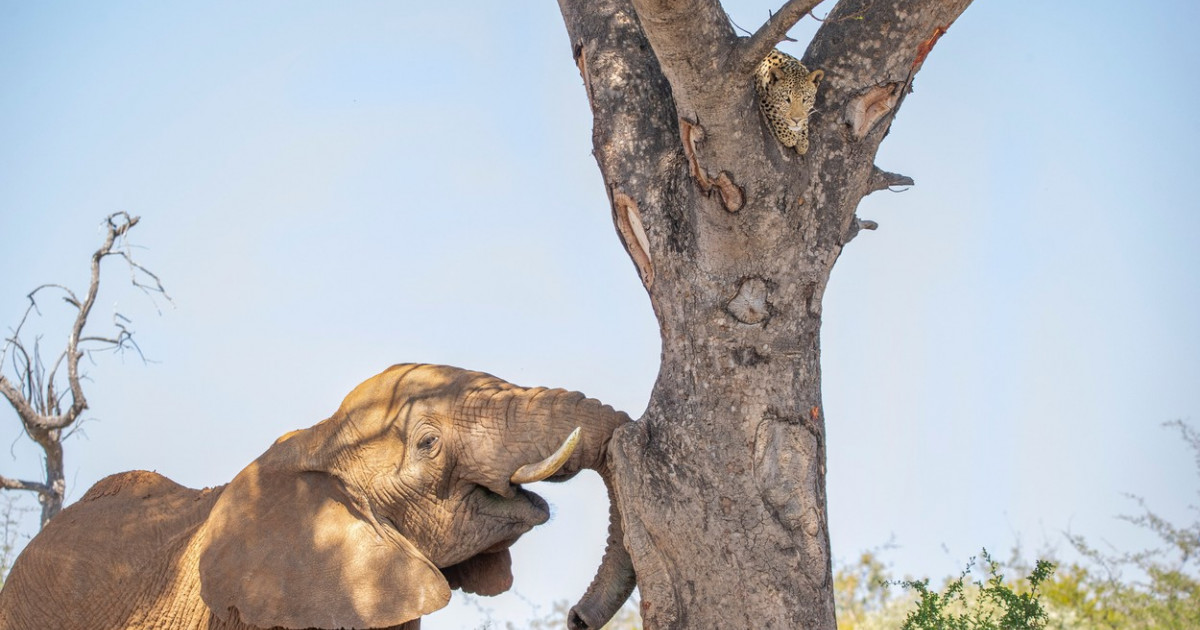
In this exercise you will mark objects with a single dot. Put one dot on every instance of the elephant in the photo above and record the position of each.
(368, 519)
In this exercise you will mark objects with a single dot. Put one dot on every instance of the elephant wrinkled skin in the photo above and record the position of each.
(366, 520)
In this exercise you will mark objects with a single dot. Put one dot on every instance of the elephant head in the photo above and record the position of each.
(412, 488)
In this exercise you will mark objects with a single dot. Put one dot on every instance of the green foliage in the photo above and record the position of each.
(990, 604)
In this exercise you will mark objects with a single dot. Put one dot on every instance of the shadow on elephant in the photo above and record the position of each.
(368, 519)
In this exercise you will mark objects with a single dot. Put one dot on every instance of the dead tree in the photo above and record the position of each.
(36, 390)
(721, 484)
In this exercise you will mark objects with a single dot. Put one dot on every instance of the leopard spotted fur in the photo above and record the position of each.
(786, 94)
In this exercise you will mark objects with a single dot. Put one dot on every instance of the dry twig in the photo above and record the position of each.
(36, 393)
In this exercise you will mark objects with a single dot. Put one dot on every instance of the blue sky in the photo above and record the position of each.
(329, 189)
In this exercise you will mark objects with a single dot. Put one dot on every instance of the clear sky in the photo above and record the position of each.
(330, 188)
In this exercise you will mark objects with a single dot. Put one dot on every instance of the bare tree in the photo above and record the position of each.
(36, 390)
(722, 483)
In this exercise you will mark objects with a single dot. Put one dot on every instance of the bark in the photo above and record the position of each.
(722, 482)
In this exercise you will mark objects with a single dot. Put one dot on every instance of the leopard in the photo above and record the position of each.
(787, 92)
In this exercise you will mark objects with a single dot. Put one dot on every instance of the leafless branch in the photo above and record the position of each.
(738, 26)
(883, 180)
(19, 403)
(36, 395)
(751, 50)
(9, 483)
(138, 276)
(857, 225)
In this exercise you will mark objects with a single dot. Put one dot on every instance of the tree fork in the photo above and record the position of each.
(34, 396)
(722, 482)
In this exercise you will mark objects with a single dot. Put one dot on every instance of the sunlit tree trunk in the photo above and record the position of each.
(722, 481)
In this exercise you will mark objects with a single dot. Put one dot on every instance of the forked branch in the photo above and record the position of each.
(750, 51)
(35, 393)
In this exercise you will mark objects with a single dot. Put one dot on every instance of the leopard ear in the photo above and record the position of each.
(777, 73)
(815, 76)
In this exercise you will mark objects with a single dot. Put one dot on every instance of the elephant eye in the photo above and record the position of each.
(427, 443)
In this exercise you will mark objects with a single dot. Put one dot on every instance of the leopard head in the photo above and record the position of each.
(787, 92)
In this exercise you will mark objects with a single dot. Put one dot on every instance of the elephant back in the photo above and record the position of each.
(121, 544)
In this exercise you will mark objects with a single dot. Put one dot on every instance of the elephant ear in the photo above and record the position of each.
(290, 549)
(482, 574)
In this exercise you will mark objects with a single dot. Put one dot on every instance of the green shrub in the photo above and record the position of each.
(990, 604)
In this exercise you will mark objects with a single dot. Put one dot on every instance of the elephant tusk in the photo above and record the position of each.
(530, 473)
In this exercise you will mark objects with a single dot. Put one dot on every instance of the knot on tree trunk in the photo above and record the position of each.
(749, 305)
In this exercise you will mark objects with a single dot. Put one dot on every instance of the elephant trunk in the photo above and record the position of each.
(547, 418)
(549, 434)
(565, 411)
(614, 579)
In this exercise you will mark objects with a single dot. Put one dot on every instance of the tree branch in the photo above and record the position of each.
(857, 225)
(876, 43)
(36, 396)
(870, 52)
(9, 483)
(752, 50)
(693, 41)
(78, 400)
(883, 180)
(27, 413)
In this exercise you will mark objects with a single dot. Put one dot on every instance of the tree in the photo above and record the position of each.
(36, 391)
(721, 485)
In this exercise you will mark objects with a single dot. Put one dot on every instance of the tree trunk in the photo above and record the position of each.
(722, 481)
(56, 486)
